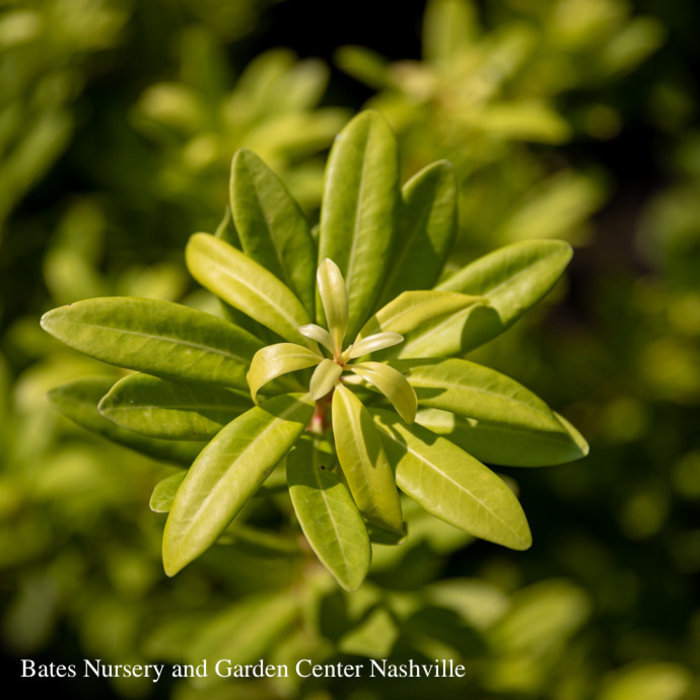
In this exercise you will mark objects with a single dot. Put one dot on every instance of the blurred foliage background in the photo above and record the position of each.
(576, 119)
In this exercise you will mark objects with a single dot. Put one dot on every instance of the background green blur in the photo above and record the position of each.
(575, 119)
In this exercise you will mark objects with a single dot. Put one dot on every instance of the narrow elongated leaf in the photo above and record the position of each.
(164, 492)
(359, 211)
(328, 516)
(451, 484)
(324, 378)
(505, 443)
(428, 223)
(334, 299)
(364, 463)
(227, 473)
(511, 279)
(410, 311)
(246, 285)
(157, 337)
(271, 226)
(475, 391)
(173, 410)
(78, 401)
(320, 335)
(276, 360)
(392, 384)
(373, 343)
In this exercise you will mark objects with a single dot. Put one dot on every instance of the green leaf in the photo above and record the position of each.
(276, 360)
(156, 337)
(451, 484)
(373, 343)
(271, 226)
(324, 378)
(427, 226)
(364, 463)
(328, 516)
(227, 473)
(359, 211)
(78, 401)
(173, 410)
(164, 492)
(472, 390)
(412, 310)
(392, 384)
(334, 299)
(507, 444)
(247, 286)
(511, 279)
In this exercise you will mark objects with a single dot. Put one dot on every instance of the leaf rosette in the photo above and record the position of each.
(338, 364)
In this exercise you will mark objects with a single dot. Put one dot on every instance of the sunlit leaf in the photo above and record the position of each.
(359, 210)
(373, 343)
(428, 222)
(511, 279)
(271, 226)
(275, 360)
(246, 285)
(410, 311)
(334, 299)
(504, 443)
(451, 484)
(363, 461)
(157, 337)
(328, 516)
(163, 408)
(324, 378)
(392, 384)
(227, 473)
(472, 390)
(78, 401)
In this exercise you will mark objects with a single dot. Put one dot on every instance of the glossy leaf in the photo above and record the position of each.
(511, 279)
(275, 360)
(246, 285)
(227, 473)
(427, 226)
(451, 484)
(320, 335)
(157, 337)
(392, 384)
(78, 401)
(164, 492)
(334, 299)
(172, 410)
(472, 390)
(328, 516)
(364, 463)
(359, 210)
(324, 378)
(410, 311)
(373, 343)
(506, 444)
(271, 226)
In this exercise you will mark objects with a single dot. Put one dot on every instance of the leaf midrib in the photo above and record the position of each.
(162, 338)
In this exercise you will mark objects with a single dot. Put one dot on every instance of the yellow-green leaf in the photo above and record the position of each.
(334, 297)
(247, 286)
(328, 516)
(359, 210)
(392, 384)
(275, 360)
(324, 378)
(451, 484)
(227, 474)
(364, 463)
